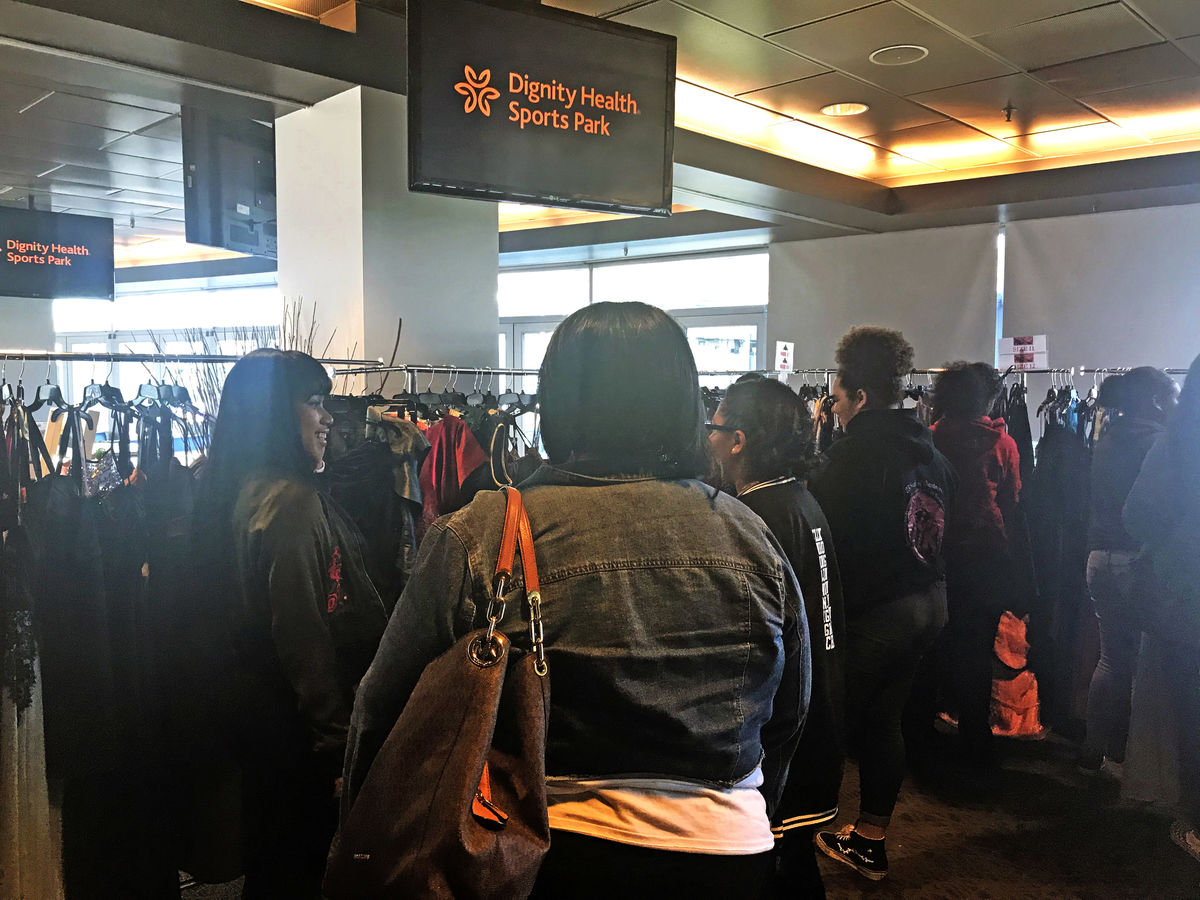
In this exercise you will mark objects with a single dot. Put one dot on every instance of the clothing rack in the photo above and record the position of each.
(1121, 370)
(81, 356)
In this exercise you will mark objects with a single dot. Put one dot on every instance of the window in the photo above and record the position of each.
(720, 300)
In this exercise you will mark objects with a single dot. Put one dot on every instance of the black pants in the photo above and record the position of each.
(883, 646)
(585, 868)
(1181, 666)
(291, 816)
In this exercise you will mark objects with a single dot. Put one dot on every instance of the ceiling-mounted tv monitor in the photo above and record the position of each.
(539, 105)
(229, 183)
(52, 255)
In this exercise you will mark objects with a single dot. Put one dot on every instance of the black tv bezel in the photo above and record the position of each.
(111, 294)
(424, 183)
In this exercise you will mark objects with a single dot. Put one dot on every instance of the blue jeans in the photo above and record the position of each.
(1112, 583)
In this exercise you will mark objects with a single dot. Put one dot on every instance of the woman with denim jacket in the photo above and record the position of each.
(673, 632)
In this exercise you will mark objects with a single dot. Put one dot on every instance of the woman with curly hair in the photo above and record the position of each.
(884, 488)
(761, 437)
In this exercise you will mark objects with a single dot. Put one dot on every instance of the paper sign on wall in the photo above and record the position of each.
(1024, 352)
(785, 352)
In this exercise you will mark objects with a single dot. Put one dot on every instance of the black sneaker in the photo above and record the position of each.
(867, 857)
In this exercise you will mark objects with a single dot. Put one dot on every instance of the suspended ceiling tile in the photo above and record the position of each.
(1167, 109)
(1190, 46)
(992, 15)
(150, 148)
(1034, 107)
(589, 7)
(173, 215)
(94, 159)
(1113, 71)
(844, 42)
(169, 129)
(1174, 18)
(110, 207)
(21, 128)
(1089, 32)
(28, 169)
(146, 198)
(948, 145)
(175, 175)
(15, 97)
(804, 99)
(109, 179)
(1083, 139)
(767, 16)
(101, 113)
(718, 55)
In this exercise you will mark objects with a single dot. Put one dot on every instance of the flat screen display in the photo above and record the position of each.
(539, 105)
(50, 255)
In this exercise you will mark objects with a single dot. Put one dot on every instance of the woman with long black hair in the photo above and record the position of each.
(301, 618)
(761, 436)
(1163, 512)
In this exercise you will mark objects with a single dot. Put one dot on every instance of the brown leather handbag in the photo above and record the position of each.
(454, 805)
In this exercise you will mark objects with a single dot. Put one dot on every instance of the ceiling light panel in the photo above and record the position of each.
(1073, 141)
(845, 42)
(1168, 109)
(1031, 106)
(1089, 32)
(712, 113)
(717, 55)
(949, 145)
(804, 99)
(845, 108)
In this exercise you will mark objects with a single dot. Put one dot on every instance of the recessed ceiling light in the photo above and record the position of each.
(899, 55)
(852, 108)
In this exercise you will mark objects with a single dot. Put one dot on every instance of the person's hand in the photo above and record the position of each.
(337, 789)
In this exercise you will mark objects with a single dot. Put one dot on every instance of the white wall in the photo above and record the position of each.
(1108, 289)
(430, 259)
(354, 240)
(319, 185)
(26, 324)
(937, 285)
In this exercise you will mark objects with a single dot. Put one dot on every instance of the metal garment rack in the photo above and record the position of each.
(1121, 370)
(198, 358)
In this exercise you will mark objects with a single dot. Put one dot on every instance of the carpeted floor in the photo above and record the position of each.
(1035, 830)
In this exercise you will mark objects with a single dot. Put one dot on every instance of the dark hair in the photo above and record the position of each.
(779, 438)
(965, 390)
(257, 431)
(1135, 392)
(874, 360)
(1183, 432)
(618, 384)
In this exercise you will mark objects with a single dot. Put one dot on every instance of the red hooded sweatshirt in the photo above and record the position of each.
(988, 466)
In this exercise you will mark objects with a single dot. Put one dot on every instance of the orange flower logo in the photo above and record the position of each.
(477, 91)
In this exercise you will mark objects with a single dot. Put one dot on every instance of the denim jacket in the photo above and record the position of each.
(671, 628)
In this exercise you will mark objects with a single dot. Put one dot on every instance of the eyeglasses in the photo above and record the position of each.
(712, 427)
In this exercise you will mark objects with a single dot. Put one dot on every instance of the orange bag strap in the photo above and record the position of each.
(517, 532)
